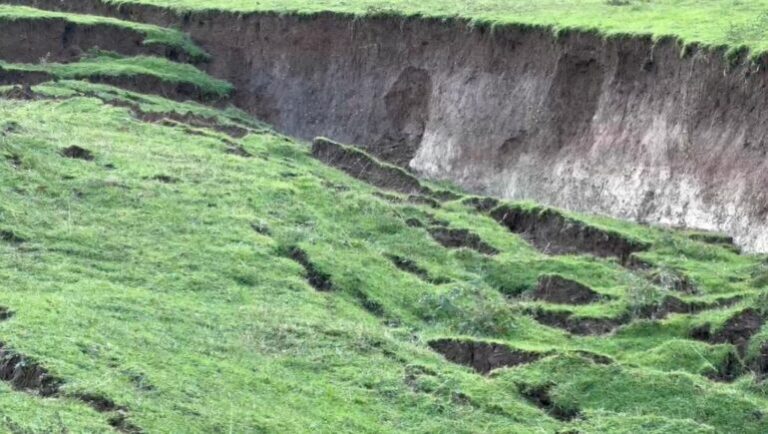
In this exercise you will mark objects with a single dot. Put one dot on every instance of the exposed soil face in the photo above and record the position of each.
(483, 357)
(458, 238)
(736, 331)
(554, 233)
(622, 126)
(358, 164)
(24, 374)
(23, 78)
(559, 290)
(57, 40)
(197, 121)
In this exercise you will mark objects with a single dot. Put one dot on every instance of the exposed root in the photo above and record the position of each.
(457, 238)
(483, 357)
(553, 233)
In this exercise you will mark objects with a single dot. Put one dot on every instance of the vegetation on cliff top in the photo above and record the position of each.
(709, 22)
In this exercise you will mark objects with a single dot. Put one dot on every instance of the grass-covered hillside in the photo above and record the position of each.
(174, 267)
(710, 22)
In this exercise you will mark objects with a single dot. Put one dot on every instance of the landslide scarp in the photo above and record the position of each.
(169, 263)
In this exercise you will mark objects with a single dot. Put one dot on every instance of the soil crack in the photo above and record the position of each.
(483, 357)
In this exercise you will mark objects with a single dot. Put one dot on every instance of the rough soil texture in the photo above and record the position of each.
(557, 289)
(57, 40)
(23, 374)
(625, 126)
(483, 357)
(458, 238)
(737, 330)
(362, 166)
(553, 233)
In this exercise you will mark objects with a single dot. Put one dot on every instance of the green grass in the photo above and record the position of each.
(163, 297)
(104, 64)
(710, 22)
(153, 34)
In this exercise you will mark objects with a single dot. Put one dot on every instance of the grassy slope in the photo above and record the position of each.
(163, 297)
(711, 22)
(154, 34)
(113, 65)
